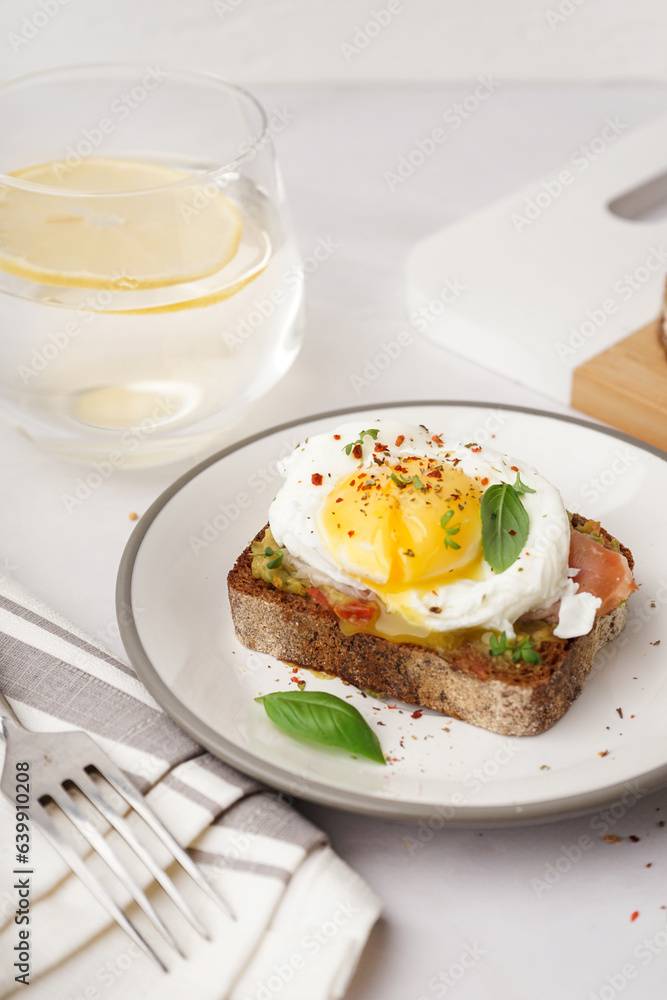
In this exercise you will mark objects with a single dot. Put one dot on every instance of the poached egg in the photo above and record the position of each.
(389, 512)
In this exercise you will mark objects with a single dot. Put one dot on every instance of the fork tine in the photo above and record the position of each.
(115, 777)
(90, 790)
(101, 847)
(41, 819)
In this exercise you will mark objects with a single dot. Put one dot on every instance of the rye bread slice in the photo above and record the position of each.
(465, 683)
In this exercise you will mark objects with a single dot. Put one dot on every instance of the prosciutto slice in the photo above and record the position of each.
(602, 572)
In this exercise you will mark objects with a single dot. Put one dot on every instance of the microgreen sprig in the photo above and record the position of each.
(276, 562)
(404, 481)
(349, 448)
(520, 488)
(449, 531)
(520, 650)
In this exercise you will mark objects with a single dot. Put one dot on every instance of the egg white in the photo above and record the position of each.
(538, 578)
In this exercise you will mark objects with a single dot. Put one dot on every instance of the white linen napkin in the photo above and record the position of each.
(303, 916)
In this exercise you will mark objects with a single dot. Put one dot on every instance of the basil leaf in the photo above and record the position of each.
(324, 718)
(505, 526)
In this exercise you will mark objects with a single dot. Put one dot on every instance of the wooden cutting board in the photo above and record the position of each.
(554, 286)
(626, 386)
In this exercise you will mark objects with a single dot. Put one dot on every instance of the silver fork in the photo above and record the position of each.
(60, 760)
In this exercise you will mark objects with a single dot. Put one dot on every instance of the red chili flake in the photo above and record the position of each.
(357, 452)
(295, 679)
(380, 447)
(416, 715)
(316, 479)
(632, 716)
(436, 474)
(634, 915)
(392, 706)
(476, 449)
(336, 437)
(511, 532)
(485, 481)
(437, 439)
(514, 468)
(455, 461)
(602, 753)
(399, 440)
(350, 533)
(352, 482)
(339, 500)
(378, 723)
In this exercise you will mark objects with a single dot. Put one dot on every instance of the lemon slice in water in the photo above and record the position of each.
(157, 237)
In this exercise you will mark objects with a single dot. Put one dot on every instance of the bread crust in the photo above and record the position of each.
(464, 683)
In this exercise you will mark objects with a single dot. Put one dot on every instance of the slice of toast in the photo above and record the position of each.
(515, 699)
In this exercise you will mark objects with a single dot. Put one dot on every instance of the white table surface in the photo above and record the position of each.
(463, 889)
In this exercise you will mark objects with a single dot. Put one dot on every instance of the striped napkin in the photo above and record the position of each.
(303, 916)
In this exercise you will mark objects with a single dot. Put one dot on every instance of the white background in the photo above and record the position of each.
(288, 40)
(352, 120)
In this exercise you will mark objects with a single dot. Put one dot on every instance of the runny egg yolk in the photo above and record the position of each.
(410, 526)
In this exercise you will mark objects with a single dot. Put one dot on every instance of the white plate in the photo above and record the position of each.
(176, 625)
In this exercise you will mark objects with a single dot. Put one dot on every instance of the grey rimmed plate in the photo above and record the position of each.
(176, 626)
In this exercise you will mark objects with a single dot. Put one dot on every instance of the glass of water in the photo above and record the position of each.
(150, 284)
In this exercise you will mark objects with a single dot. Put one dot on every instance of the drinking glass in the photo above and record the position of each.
(150, 285)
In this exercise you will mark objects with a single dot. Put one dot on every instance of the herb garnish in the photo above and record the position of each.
(403, 481)
(444, 523)
(324, 718)
(523, 650)
(521, 488)
(268, 553)
(349, 448)
(505, 524)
